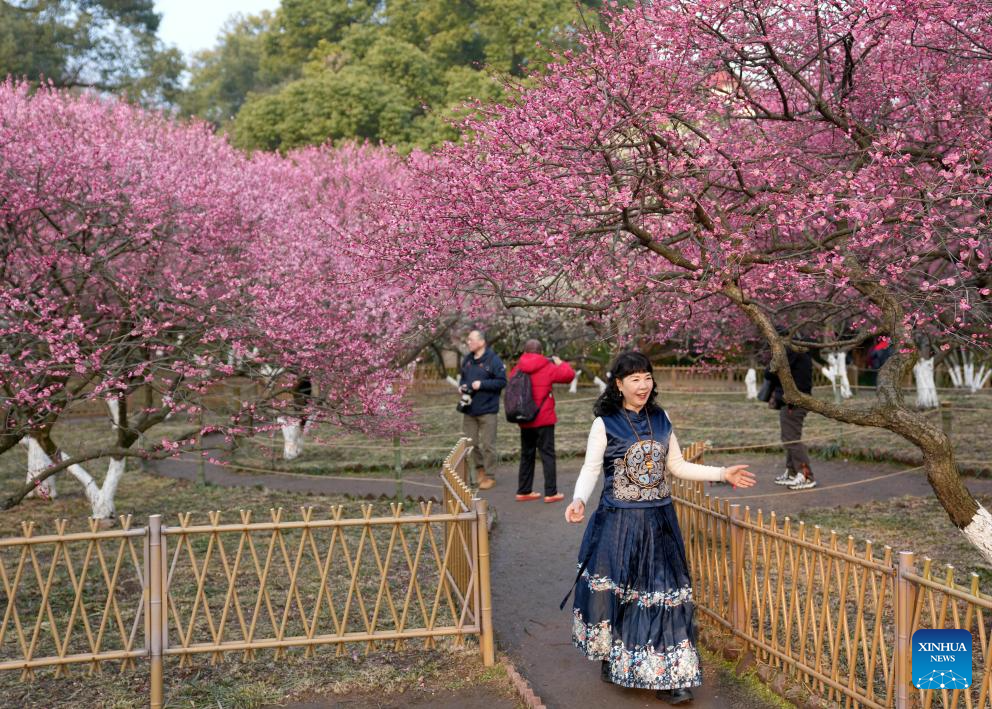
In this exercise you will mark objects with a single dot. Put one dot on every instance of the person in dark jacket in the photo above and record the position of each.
(798, 474)
(539, 434)
(877, 356)
(483, 377)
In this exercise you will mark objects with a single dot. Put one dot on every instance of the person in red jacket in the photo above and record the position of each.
(539, 434)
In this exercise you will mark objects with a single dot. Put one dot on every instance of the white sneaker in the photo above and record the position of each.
(801, 482)
(786, 478)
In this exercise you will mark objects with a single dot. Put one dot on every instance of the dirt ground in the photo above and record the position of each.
(466, 698)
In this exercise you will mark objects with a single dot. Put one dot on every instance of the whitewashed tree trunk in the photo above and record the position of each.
(114, 404)
(979, 531)
(292, 437)
(167, 401)
(600, 383)
(37, 462)
(751, 383)
(926, 386)
(966, 373)
(101, 498)
(982, 377)
(845, 382)
(954, 370)
(452, 381)
(574, 386)
(836, 372)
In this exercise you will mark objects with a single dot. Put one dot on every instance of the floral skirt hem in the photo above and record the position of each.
(638, 667)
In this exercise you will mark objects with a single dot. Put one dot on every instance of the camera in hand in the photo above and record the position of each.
(465, 401)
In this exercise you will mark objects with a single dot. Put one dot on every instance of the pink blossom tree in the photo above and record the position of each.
(141, 252)
(823, 166)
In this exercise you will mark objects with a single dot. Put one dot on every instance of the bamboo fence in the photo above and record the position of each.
(833, 615)
(216, 587)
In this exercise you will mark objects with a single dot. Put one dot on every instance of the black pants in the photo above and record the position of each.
(791, 423)
(532, 440)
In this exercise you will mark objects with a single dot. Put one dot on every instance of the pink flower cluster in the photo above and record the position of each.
(137, 250)
(830, 164)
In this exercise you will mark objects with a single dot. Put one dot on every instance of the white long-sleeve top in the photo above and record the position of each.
(592, 468)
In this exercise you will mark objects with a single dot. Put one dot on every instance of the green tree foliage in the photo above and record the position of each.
(222, 77)
(110, 45)
(393, 70)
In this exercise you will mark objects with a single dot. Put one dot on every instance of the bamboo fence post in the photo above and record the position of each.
(155, 608)
(737, 610)
(486, 641)
(904, 628)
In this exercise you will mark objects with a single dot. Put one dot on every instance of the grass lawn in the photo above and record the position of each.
(917, 524)
(726, 420)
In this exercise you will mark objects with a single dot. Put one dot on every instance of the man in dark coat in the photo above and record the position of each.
(483, 377)
(798, 474)
(539, 434)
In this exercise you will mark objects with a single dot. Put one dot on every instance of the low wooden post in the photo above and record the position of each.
(487, 641)
(946, 417)
(201, 466)
(398, 467)
(905, 600)
(155, 609)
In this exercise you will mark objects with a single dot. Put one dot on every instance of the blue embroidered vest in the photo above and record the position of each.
(629, 480)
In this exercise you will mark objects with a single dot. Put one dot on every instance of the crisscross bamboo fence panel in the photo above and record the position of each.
(215, 587)
(834, 615)
(73, 598)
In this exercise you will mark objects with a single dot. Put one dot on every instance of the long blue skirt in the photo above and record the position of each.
(633, 603)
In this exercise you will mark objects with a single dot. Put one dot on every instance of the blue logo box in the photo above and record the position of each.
(942, 659)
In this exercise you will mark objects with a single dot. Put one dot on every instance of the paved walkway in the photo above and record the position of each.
(534, 553)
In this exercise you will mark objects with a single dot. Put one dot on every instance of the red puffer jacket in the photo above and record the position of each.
(543, 373)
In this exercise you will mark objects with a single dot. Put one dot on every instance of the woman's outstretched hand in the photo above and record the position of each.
(739, 476)
(575, 512)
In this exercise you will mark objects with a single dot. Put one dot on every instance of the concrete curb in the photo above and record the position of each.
(524, 690)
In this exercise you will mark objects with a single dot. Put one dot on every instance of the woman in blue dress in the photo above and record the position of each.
(633, 606)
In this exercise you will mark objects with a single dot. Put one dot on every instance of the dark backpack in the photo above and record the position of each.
(519, 401)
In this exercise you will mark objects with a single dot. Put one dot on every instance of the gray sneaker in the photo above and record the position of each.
(802, 483)
(786, 478)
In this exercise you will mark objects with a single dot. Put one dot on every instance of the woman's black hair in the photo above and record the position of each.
(625, 364)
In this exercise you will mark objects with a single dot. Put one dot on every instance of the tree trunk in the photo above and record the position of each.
(101, 498)
(574, 386)
(889, 412)
(37, 462)
(836, 372)
(965, 373)
(292, 434)
(965, 511)
(926, 387)
(751, 384)
(114, 404)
